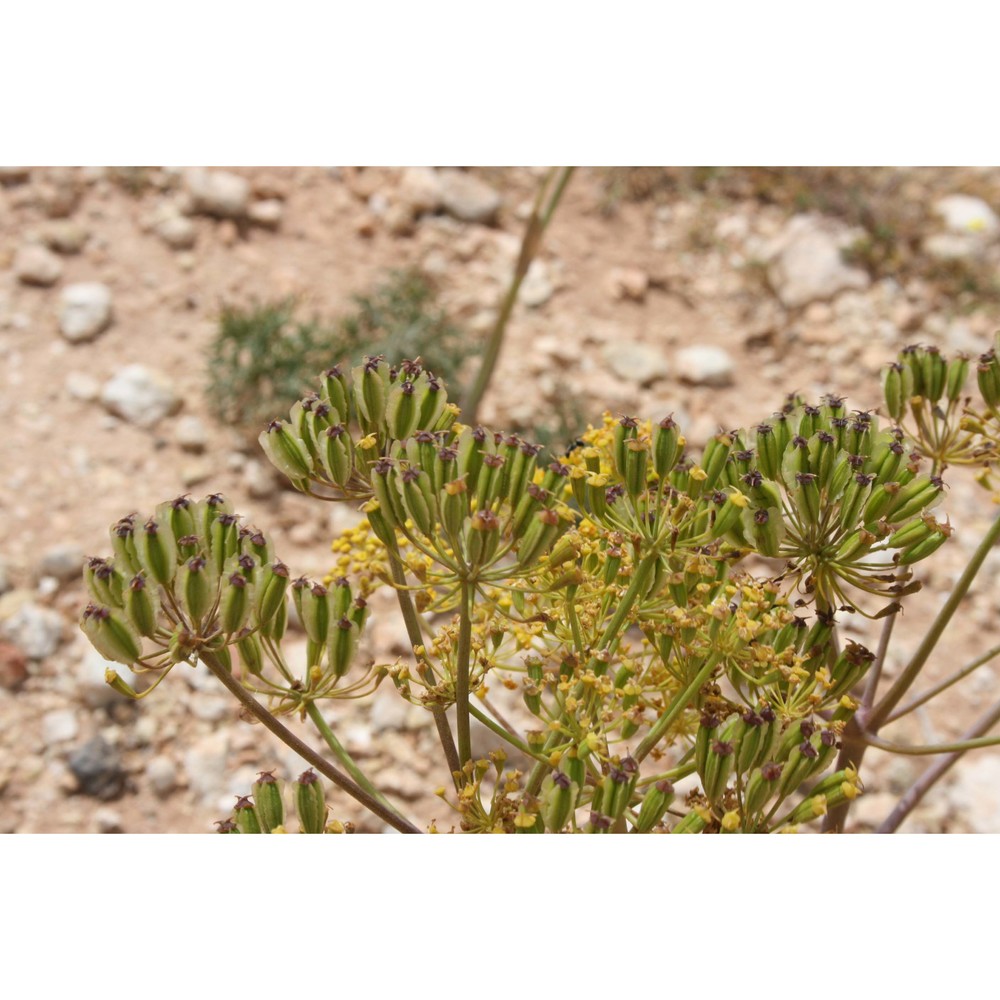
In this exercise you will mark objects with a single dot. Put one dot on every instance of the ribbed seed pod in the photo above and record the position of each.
(268, 801)
(336, 391)
(371, 387)
(142, 606)
(667, 446)
(655, 803)
(157, 552)
(557, 800)
(111, 634)
(287, 453)
(343, 643)
(310, 802)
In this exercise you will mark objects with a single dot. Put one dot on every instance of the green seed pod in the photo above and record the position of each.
(235, 603)
(313, 609)
(917, 551)
(667, 446)
(538, 538)
(935, 374)
(897, 388)
(714, 458)
(856, 545)
(636, 461)
(310, 802)
(807, 497)
(415, 501)
(958, 372)
(853, 503)
(625, 430)
(795, 460)
(104, 583)
(920, 494)
(911, 533)
(142, 606)
(402, 409)
(655, 803)
(371, 385)
(157, 552)
(224, 540)
(988, 377)
(336, 391)
(287, 453)
(708, 729)
(483, 538)
(693, 822)
(251, 652)
(337, 454)
(197, 589)
(766, 529)
(123, 544)
(433, 401)
(268, 801)
(472, 446)
(766, 446)
(382, 527)
(111, 635)
(269, 594)
(179, 515)
(879, 503)
(343, 643)
(244, 816)
(557, 801)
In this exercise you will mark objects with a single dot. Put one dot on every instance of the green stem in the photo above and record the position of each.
(462, 675)
(943, 686)
(504, 734)
(933, 774)
(537, 224)
(930, 750)
(306, 752)
(676, 707)
(344, 757)
(613, 632)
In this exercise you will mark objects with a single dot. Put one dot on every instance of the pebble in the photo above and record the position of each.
(217, 192)
(197, 472)
(92, 688)
(537, 288)
(952, 246)
(205, 766)
(59, 726)
(636, 362)
(82, 386)
(161, 773)
(267, 213)
(190, 433)
(975, 793)
(13, 666)
(467, 198)
(85, 310)
(108, 820)
(177, 231)
(628, 283)
(806, 262)
(35, 264)
(64, 236)
(97, 767)
(388, 709)
(705, 365)
(139, 396)
(64, 562)
(964, 214)
(399, 219)
(420, 190)
(260, 479)
(36, 630)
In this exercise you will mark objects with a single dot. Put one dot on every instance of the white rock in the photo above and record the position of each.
(139, 396)
(161, 773)
(536, 289)
(468, 198)
(267, 213)
(85, 310)
(806, 262)
(35, 264)
(705, 365)
(108, 820)
(36, 630)
(64, 562)
(59, 726)
(190, 433)
(260, 479)
(636, 362)
(64, 236)
(205, 766)
(628, 283)
(217, 192)
(82, 386)
(388, 709)
(964, 214)
(975, 794)
(420, 190)
(953, 246)
(177, 231)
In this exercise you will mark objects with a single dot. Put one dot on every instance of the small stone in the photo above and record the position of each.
(636, 362)
(59, 726)
(98, 770)
(36, 630)
(399, 219)
(64, 236)
(205, 766)
(64, 562)
(952, 246)
(401, 781)
(210, 708)
(139, 396)
(388, 709)
(197, 472)
(872, 809)
(177, 231)
(420, 190)
(807, 263)
(190, 433)
(966, 215)
(85, 310)
(82, 386)
(536, 289)
(975, 794)
(161, 773)
(13, 666)
(267, 214)
(260, 479)
(217, 192)
(468, 198)
(35, 264)
(108, 821)
(705, 365)
(628, 283)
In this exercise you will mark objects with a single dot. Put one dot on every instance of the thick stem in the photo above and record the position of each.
(909, 801)
(537, 224)
(306, 752)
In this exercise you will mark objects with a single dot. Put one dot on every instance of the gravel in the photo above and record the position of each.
(140, 396)
(85, 311)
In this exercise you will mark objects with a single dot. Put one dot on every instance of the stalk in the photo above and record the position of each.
(462, 676)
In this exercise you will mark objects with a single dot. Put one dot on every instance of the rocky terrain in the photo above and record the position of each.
(708, 300)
